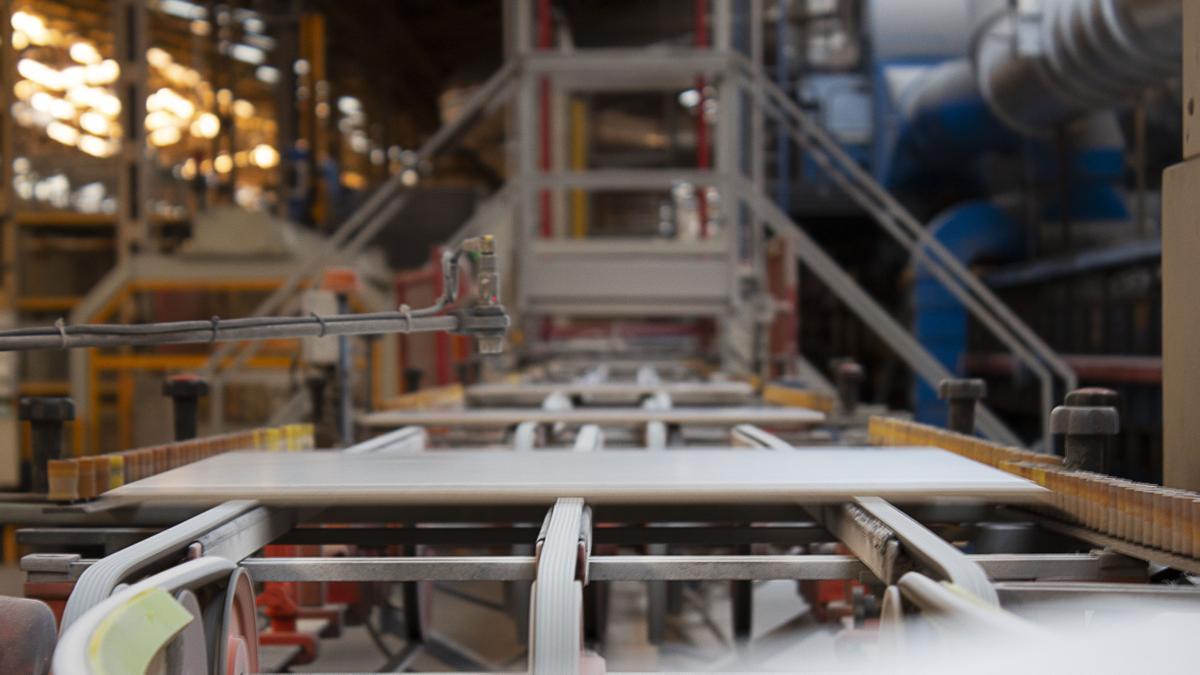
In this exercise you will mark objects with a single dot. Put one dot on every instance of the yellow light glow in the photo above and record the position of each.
(96, 147)
(94, 123)
(63, 133)
(264, 156)
(223, 164)
(19, 40)
(241, 158)
(224, 97)
(354, 180)
(183, 108)
(39, 73)
(157, 57)
(41, 102)
(190, 78)
(62, 109)
(243, 108)
(33, 26)
(24, 89)
(160, 119)
(109, 105)
(85, 53)
(72, 76)
(165, 136)
(207, 125)
(166, 99)
(105, 72)
(175, 73)
(187, 170)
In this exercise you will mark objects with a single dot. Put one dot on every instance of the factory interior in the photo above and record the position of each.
(822, 336)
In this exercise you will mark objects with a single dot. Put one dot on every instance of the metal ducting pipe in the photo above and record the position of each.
(1043, 65)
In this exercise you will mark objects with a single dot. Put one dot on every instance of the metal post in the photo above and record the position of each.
(961, 396)
(849, 377)
(316, 391)
(371, 342)
(185, 391)
(129, 37)
(345, 394)
(1087, 431)
(783, 144)
(46, 417)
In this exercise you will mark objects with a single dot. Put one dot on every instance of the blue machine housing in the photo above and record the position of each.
(933, 135)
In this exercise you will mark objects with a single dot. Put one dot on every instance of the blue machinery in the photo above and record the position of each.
(953, 84)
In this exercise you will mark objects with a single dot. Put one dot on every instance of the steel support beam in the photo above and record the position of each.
(1022, 574)
(930, 550)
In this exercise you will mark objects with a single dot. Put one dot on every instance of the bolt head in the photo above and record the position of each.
(849, 370)
(185, 385)
(1092, 396)
(961, 388)
(46, 409)
(1084, 421)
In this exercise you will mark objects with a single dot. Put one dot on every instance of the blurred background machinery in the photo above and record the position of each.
(1027, 140)
(698, 209)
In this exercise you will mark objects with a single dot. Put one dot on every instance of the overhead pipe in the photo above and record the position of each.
(1046, 63)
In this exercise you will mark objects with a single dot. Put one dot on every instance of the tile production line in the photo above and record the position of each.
(628, 485)
(622, 459)
(664, 514)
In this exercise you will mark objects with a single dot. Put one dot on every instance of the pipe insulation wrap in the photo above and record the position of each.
(1044, 66)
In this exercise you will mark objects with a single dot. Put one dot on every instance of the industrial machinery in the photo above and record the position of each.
(635, 420)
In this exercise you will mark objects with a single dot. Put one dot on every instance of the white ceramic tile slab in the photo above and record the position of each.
(465, 477)
(496, 418)
(612, 393)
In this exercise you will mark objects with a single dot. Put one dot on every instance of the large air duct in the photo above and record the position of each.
(1046, 63)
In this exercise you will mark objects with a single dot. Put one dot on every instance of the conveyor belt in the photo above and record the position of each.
(472, 477)
(495, 418)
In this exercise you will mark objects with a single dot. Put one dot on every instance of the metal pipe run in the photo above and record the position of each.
(220, 330)
(1043, 64)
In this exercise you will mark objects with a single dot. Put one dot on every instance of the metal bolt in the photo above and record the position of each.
(848, 376)
(412, 379)
(1092, 397)
(960, 396)
(185, 391)
(45, 416)
(1087, 430)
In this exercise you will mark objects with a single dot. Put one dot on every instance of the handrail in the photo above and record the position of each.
(910, 233)
(380, 209)
(874, 316)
